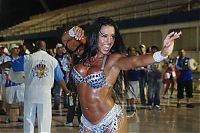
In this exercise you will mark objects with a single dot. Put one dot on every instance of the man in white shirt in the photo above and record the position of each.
(13, 88)
(40, 70)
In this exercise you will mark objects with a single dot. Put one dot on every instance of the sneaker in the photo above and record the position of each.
(178, 105)
(172, 97)
(65, 106)
(189, 105)
(69, 124)
(165, 97)
(2, 112)
(133, 108)
(143, 104)
(7, 121)
(80, 125)
(20, 120)
(55, 108)
(150, 107)
(128, 109)
(158, 107)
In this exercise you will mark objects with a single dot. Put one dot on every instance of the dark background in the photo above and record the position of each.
(15, 11)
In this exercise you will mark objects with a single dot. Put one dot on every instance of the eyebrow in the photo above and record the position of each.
(101, 33)
(104, 33)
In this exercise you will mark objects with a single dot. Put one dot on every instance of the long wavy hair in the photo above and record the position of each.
(93, 36)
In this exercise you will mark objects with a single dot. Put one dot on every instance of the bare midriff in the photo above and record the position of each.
(95, 103)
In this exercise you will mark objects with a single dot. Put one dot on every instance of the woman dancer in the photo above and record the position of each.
(98, 70)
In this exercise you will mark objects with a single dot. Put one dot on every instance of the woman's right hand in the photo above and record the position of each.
(76, 32)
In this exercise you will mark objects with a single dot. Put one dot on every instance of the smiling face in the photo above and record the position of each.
(182, 53)
(59, 50)
(133, 51)
(14, 51)
(106, 39)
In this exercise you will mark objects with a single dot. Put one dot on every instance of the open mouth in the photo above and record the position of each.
(106, 47)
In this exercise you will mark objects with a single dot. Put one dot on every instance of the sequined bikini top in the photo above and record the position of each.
(95, 80)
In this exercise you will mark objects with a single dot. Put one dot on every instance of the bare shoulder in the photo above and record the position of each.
(113, 59)
(116, 56)
(122, 61)
(81, 69)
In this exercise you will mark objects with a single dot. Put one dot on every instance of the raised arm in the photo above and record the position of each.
(125, 63)
(76, 33)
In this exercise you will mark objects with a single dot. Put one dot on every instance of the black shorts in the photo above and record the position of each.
(187, 85)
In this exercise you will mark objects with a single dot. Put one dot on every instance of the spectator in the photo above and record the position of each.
(76, 56)
(132, 86)
(75, 48)
(143, 77)
(184, 81)
(13, 88)
(154, 76)
(169, 78)
(40, 71)
(64, 61)
(3, 75)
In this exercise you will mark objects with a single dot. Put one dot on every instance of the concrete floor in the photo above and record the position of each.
(168, 120)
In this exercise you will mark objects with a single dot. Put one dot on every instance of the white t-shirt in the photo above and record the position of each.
(40, 71)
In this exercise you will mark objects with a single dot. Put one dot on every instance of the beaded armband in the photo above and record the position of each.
(71, 32)
(158, 57)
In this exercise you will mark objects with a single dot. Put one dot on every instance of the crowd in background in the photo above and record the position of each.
(144, 83)
(169, 75)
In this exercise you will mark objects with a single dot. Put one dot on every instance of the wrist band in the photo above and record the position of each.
(71, 32)
(158, 57)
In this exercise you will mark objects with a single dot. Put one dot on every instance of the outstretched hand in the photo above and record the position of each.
(168, 43)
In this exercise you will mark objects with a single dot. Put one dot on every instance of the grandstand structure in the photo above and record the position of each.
(140, 21)
(83, 13)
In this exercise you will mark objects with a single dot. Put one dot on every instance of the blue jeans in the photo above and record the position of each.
(154, 86)
(57, 94)
(142, 84)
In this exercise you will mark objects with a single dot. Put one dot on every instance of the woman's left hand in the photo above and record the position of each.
(168, 43)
